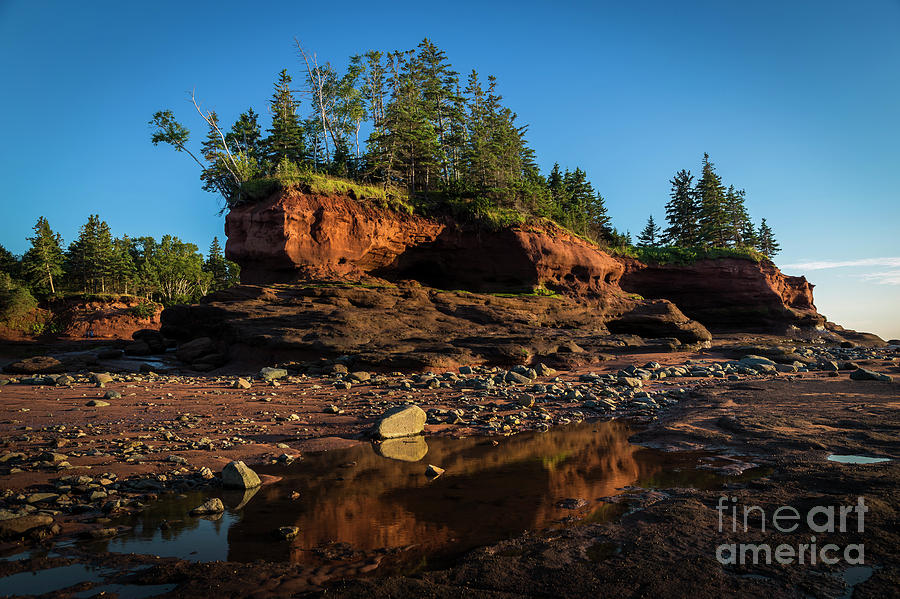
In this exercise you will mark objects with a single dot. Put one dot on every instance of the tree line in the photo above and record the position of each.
(168, 271)
(448, 141)
(707, 214)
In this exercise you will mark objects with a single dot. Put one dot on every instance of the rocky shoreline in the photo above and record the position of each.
(69, 467)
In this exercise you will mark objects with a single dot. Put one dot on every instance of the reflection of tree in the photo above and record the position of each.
(486, 494)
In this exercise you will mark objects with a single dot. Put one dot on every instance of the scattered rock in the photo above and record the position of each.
(14, 527)
(402, 421)
(237, 475)
(864, 374)
(211, 506)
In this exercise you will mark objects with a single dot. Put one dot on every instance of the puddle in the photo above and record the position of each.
(51, 579)
(368, 500)
(856, 459)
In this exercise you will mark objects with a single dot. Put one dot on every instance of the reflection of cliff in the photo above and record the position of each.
(360, 498)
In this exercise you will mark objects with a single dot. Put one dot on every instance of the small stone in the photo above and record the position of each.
(112, 395)
(211, 506)
(241, 383)
(97, 403)
(864, 374)
(271, 374)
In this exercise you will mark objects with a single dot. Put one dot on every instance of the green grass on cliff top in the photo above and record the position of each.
(681, 256)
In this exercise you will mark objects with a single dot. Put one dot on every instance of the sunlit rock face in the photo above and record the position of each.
(728, 293)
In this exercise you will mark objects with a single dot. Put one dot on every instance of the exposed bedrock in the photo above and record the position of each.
(728, 294)
(412, 326)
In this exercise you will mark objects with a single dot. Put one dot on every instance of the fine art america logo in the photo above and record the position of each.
(786, 519)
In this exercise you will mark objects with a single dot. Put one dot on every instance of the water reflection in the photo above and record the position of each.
(379, 499)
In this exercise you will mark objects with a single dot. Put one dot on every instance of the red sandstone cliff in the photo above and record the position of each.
(727, 293)
(293, 236)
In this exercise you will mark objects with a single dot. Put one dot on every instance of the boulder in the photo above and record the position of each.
(193, 350)
(36, 365)
(211, 506)
(272, 374)
(402, 421)
(864, 374)
(659, 318)
(237, 475)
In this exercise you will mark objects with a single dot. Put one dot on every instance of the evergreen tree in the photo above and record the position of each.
(649, 237)
(599, 228)
(713, 217)
(9, 264)
(682, 212)
(285, 140)
(44, 260)
(122, 266)
(245, 137)
(216, 265)
(738, 219)
(90, 257)
(766, 240)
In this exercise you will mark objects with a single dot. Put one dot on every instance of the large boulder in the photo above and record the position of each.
(36, 365)
(195, 349)
(659, 318)
(402, 421)
(237, 475)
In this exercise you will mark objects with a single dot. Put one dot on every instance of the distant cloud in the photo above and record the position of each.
(819, 265)
(888, 277)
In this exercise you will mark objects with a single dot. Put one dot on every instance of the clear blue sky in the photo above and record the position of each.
(797, 102)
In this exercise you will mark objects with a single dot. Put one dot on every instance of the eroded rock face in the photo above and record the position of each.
(291, 235)
(410, 326)
(728, 294)
(510, 260)
(294, 237)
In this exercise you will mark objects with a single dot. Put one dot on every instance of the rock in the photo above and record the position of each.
(191, 351)
(41, 497)
(433, 471)
(100, 378)
(659, 318)
(727, 293)
(544, 370)
(404, 449)
(828, 365)
(152, 338)
(516, 378)
(237, 475)
(112, 395)
(53, 457)
(97, 403)
(403, 421)
(864, 374)
(360, 377)
(14, 527)
(138, 348)
(36, 365)
(211, 506)
(241, 383)
(272, 374)
(63, 380)
(288, 532)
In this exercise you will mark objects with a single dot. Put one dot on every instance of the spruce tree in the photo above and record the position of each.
(90, 257)
(682, 212)
(43, 262)
(766, 240)
(216, 265)
(649, 237)
(9, 264)
(285, 140)
(713, 216)
(245, 136)
(738, 219)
